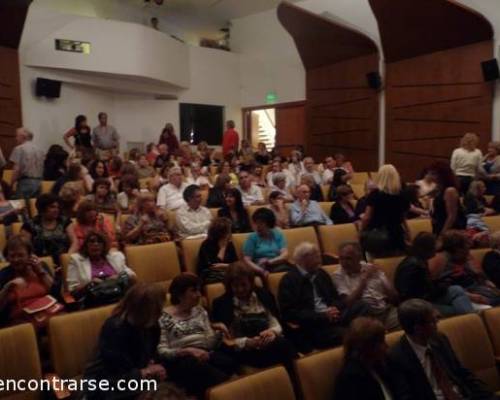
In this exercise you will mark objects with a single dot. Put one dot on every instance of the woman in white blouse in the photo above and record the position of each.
(465, 160)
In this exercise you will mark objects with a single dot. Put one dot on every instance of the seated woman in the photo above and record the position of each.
(115, 165)
(413, 280)
(23, 281)
(417, 209)
(49, 231)
(235, 211)
(128, 189)
(73, 175)
(88, 219)
(279, 185)
(251, 315)
(226, 169)
(316, 193)
(491, 260)
(97, 169)
(149, 224)
(134, 320)
(365, 373)
(454, 266)
(69, 198)
(217, 194)
(280, 210)
(265, 250)
(55, 164)
(144, 170)
(216, 252)
(190, 346)
(342, 211)
(94, 263)
(476, 208)
(102, 196)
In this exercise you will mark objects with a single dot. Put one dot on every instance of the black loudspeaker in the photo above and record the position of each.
(48, 88)
(374, 80)
(491, 72)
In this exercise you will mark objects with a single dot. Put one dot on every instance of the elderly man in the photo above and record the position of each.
(304, 211)
(170, 195)
(277, 168)
(425, 365)
(309, 169)
(357, 281)
(192, 218)
(105, 138)
(251, 194)
(308, 298)
(28, 162)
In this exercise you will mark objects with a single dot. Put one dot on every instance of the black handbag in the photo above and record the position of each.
(108, 291)
(253, 324)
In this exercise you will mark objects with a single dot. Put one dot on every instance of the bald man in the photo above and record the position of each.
(28, 162)
(307, 212)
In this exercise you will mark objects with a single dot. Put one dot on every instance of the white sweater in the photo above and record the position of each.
(464, 162)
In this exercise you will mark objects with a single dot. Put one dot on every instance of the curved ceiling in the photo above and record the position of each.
(410, 28)
(321, 41)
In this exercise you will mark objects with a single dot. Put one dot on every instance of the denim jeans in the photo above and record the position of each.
(28, 188)
(454, 302)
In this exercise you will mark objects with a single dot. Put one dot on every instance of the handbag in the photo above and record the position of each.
(108, 291)
(253, 324)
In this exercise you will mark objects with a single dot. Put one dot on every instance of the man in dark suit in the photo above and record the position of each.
(424, 361)
(310, 305)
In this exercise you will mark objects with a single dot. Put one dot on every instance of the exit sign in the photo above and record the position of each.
(271, 97)
(74, 46)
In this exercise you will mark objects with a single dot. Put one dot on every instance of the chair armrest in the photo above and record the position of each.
(60, 392)
(330, 258)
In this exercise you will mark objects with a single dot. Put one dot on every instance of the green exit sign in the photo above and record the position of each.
(271, 97)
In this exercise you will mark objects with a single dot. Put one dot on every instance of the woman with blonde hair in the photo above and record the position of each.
(384, 230)
(489, 169)
(465, 160)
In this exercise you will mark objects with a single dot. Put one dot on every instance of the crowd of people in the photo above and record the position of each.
(100, 202)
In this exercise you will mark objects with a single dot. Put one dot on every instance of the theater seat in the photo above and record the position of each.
(358, 189)
(493, 223)
(190, 249)
(19, 358)
(273, 383)
(317, 373)
(273, 283)
(296, 236)
(326, 206)
(16, 227)
(213, 291)
(73, 339)
(331, 269)
(359, 178)
(389, 266)
(492, 321)
(46, 186)
(238, 241)
(154, 262)
(470, 341)
(3, 237)
(393, 338)
(417, 225)
(332, 236)
(478, 255)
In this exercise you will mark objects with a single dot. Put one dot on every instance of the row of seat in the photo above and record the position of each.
(73, 339)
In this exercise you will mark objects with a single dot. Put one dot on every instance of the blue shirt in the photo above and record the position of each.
(256, 247)
(313, 214)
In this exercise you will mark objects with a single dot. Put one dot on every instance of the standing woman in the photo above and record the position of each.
(489, 169)
(168, 137)
(384, 221)
(447, 210)
(81, 134)
(465, 161)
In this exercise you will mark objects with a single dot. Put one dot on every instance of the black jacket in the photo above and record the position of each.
(356, 382)
(411, 383)
(223, 306)
(340, 216)
(215, 198)
(296, 299)
(242, 225)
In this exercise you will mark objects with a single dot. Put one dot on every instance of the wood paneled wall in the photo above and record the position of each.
(290, 128)
(341, 109)
(10, 98)
(432, 101)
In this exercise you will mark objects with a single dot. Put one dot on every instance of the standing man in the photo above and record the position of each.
(28, 165)
(105, 138)
(230, 140)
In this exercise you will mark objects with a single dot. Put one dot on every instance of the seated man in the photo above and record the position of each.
(192, 219)
(413, 280)
(251, 194)
(425, 365)
(358, 281)
(308, 298)
(304, 211)
(170, 195)
(277, 168)
(310, 169)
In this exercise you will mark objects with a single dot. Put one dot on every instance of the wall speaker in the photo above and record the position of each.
(491, 72)
(48, 88)
(374, 80)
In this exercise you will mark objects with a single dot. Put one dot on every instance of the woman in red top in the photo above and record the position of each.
(168, 137)
(230, 140)
(23, 281)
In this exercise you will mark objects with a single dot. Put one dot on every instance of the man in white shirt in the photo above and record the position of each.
(357, 281)
(170, 195)
(277, 168)
(424, 364)
(306, 212)
(330, 165)
(309, 169)
(250, 192)
(192, 218)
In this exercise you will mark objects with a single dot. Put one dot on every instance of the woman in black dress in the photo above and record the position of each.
(342, 212)
(234, 210)
(81, 134)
